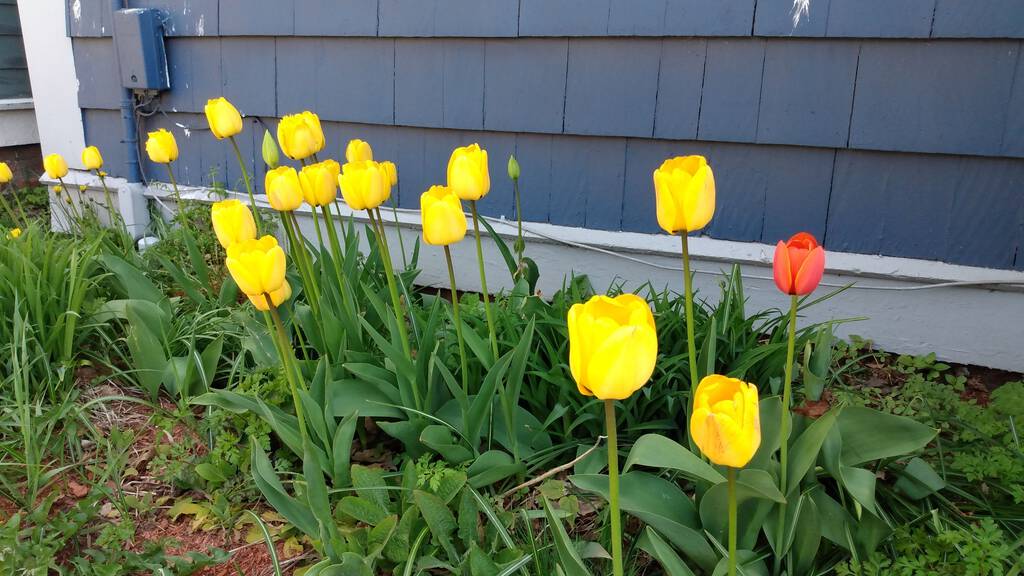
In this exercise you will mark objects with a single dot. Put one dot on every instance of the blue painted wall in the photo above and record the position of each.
(889, 127)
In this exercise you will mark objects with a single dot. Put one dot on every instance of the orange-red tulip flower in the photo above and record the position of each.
(799, 264)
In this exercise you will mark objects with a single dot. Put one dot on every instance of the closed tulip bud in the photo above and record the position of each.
(685, 192)
(320, 182)
(726, 422)
(14, 233)
(468, 176)
(364, 185)
(358, 151)
(91, 158)
(513, 168)
(271, 156)
(257, 266)
(55, 166)
(162, 147)
(392, 171)
(300, 135)
(799, 264)
(444, 222)
(277, 297)
(5, 173)
(232, 222)
(613, 345)
(223, 117)
(284, 191)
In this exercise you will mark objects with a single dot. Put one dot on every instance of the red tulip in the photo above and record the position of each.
(799, 264)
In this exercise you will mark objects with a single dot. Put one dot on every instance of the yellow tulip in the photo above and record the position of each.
(320, 182)
(277, 297)
(444, 222)
(55, 166)
(685, 192)
(726, 422)
(357, 151)
(91, 158)
(257, 265)
(223, 117)
(232, 222)
(284, 192)
(5, 173)
(14, 233)
(613, 345)
(468, 175)
(364, 185)
(162, 147)
(392, 171)
(300, 135)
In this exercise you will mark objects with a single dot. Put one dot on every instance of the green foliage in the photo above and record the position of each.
(981, 549)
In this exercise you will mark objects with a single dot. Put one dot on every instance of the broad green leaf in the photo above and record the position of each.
(749, 564)
(342, 449)
(919, 480)
(270, 486)
(870, 435)
(568, 558)
(440, 439)
(439, 519)
(370, 484)
(660, 550)
(368, 398)
(806, 536)
(492, 466)
(657, 451)
(804, 451)
(363, 510)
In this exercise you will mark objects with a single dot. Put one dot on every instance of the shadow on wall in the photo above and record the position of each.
(26, 163)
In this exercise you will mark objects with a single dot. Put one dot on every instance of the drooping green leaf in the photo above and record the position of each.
(660, 550)
(657, 451)
(439, 519)
(870, 435)
(568, 558)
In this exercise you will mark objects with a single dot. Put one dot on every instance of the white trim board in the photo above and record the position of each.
(17, 122)
(51, 68)
(909, 305)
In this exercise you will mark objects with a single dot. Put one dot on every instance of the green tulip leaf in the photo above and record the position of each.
(657, 451)
(870, 435)
(661, 551)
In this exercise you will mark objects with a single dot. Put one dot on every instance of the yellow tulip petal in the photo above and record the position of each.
(623, 362)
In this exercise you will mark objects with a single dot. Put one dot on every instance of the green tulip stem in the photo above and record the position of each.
(177, 194)
(691, 344)
(483, 281)
(396, 302)
(10, 213)
(305, 268)
(520, 245)
(248, 185)
(17, 202)
(319, 233)
(458, 320)
(787, 397)
(332, 235)
(398, 230)
(732, 520)
(73, 210)
(613, 486)
(285, 351)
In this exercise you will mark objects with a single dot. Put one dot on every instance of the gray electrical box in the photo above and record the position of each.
(139, 42)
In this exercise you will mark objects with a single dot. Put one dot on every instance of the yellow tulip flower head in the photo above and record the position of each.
(232, 222)
(14, 233)
(277, 297)
(257, 265)
(364, 185)
(162, 147)
(91, 158)
(613, 345)
(358, 151)
(5, 173)
(444, 222)
(685, 192)
(726, 422)
(468, 175)
(320, 182)
(223, 117)
(283, 189)
(300, 135)
(55, 166)
(392, 171)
